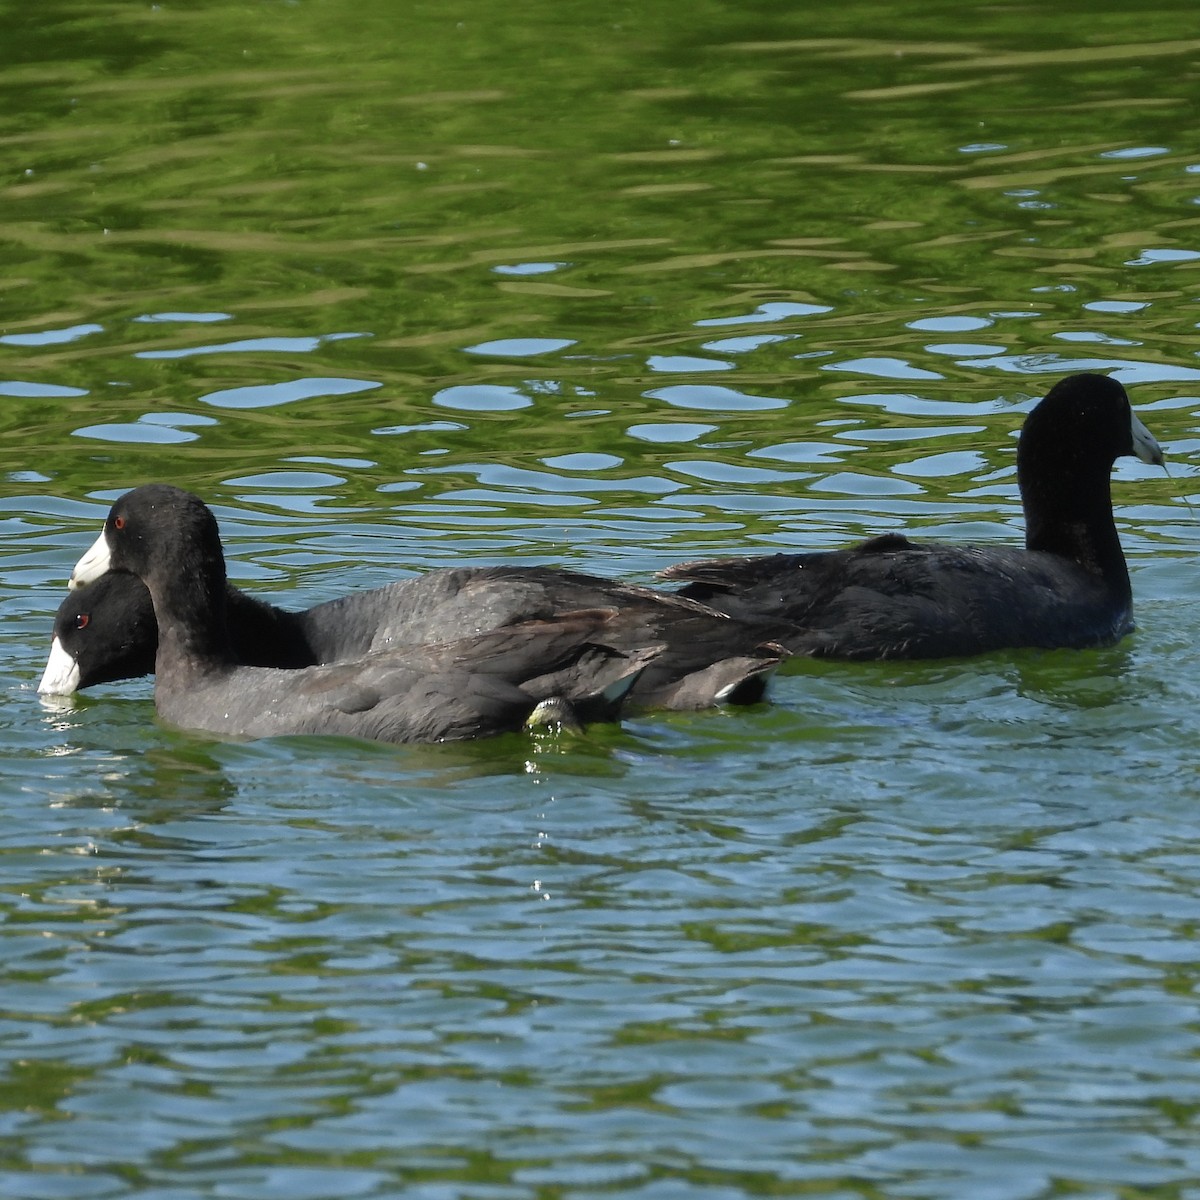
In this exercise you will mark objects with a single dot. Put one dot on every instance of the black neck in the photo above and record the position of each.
(190, 608)
(266, 636)
(1068, 510)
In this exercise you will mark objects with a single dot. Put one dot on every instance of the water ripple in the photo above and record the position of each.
(909, 929)
(267, 395)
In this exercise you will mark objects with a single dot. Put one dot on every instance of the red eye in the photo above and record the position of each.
(81, 621)
(119, 522)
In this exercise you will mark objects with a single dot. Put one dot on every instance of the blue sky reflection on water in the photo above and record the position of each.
(605, 291)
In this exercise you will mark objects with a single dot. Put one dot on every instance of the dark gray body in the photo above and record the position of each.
(471, 687)
(891, 598)
(108, 627)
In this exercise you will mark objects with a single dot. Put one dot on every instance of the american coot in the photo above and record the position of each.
(464, 688)
(892, 598)
(106, 631)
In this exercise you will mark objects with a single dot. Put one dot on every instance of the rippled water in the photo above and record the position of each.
(606, 287)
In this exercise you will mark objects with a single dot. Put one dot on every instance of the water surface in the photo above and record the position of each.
(394, 288)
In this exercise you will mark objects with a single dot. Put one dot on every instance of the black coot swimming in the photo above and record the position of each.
(105, 630)
(458, 689)
(892, 598)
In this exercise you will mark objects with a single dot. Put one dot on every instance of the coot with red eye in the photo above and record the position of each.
(119, 645)
(479, 685)
(892, 598)
(708, 657)
(472, 686)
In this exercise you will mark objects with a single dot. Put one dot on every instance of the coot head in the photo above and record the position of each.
(103, 632)
(169, 539)
(1065, 458)
(155, 531)
(1086, 418)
